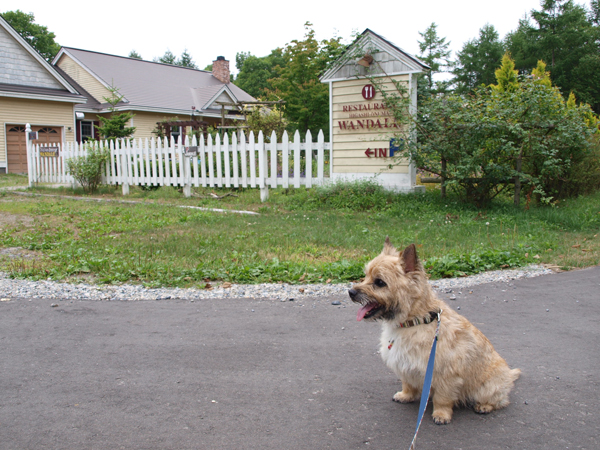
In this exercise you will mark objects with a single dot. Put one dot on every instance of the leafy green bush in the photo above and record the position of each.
(359, 195)
(526, 137)
(87, 170)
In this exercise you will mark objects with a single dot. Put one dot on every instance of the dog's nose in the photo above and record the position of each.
(352, 293)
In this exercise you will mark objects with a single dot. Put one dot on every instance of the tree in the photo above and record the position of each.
(267, 120)
(115, 126)
(523, 136)
(478, 60)
(434, 51)
(36, 35)
(135, 55)
(186, 60)
(167, 58)
(255, 72)
(567, 37)
(307, 99)
(507, 76)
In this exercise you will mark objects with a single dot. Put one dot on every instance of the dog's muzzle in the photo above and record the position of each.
(368, 308)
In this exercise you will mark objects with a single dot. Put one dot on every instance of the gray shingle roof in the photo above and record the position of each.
(150, 85)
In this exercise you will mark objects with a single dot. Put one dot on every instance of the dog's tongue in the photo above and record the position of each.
(364, 310)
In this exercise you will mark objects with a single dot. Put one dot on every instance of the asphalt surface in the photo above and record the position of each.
(265, 374)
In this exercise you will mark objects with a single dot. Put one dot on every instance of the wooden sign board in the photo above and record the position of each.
(49, 151)
(191, 151)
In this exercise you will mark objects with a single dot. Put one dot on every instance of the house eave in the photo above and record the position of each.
(51, 98)
(176, 112)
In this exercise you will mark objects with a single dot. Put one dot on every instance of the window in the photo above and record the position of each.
(87, 130)
(175, 132)
(47, 130)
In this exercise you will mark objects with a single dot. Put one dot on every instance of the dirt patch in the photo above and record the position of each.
(15, 220)
(20, 253)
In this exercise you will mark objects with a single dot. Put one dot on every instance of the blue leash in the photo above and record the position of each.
(427, 383)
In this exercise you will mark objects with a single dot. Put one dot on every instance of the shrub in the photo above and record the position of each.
(87, 169)
(359, 195)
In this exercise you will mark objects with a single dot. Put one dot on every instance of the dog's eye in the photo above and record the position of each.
(379, 283)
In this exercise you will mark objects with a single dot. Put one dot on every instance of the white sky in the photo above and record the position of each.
(212, 28)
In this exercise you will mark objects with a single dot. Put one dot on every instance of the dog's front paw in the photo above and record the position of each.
(442, 418)
(403, 397)
(483, 408)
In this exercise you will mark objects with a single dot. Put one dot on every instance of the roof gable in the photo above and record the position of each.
(222, 95)
(22, 65)
(389, 59)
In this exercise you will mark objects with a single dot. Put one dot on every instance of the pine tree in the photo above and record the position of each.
(566, 36)
(115, 126)
(135, 55)
(434, 51)
(478, 60)
(506, 76)
(167, 58)
(541, 76)
(186, 60)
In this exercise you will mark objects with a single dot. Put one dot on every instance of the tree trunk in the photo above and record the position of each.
(443, 178)
(518, 178)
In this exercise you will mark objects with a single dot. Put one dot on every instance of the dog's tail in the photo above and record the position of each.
(515, 374)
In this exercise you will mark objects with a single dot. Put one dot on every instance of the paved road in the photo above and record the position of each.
(262, 374)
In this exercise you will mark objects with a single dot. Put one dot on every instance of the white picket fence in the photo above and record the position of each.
(251, 162)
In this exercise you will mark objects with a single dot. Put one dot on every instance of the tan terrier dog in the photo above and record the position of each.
(467, 368)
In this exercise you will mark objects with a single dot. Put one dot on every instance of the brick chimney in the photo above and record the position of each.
(220, 70)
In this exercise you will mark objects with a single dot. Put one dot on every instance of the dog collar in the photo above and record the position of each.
(433, 315)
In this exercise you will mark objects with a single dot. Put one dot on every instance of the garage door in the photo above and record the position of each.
(16, 147)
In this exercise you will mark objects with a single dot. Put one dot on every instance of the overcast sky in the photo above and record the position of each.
(212, 28)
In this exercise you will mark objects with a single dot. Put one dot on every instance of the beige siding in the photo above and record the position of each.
(84, 78)
(35, 112)
(359, 125)
(145, 122)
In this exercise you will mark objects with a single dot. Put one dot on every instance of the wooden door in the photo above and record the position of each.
(16, 145)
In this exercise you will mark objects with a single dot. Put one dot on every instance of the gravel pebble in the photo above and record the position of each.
(10, 288)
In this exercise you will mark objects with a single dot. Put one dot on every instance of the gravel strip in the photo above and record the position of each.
(10, 288)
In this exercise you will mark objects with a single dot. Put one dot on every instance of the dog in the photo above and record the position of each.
(467, 371)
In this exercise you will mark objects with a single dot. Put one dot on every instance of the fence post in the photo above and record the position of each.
(126, 166)
(262, 168)
(30, 165)
(186, 172)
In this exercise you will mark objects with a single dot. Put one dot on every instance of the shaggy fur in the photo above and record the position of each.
(467, 368)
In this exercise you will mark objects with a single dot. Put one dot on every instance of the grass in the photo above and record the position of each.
(309, 236)
(12, 180)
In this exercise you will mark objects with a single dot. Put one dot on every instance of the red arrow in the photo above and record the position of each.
(369, 152)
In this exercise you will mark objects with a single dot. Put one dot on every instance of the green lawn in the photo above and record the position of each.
(299, 235)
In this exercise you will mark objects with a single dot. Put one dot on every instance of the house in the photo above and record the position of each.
(63, 101)
(181, 97)
(31, 91)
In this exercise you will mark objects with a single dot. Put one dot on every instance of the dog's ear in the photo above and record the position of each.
(410, 261)
(388, 248)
